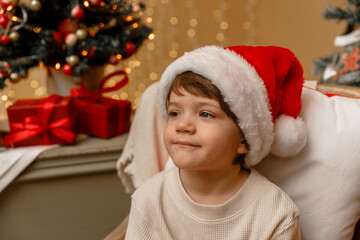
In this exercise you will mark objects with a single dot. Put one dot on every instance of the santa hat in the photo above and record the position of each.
(262, 86)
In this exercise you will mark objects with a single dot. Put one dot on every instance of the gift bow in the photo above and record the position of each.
(35, 125)
(84, 94)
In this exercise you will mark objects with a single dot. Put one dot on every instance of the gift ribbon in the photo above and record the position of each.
(84, 94)
(35, 125)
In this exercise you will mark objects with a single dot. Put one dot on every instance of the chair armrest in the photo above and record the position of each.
(119, 232)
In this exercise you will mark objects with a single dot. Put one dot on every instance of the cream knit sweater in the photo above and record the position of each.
(161, 209)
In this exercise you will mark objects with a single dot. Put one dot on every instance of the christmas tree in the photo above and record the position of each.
(71, 35)
(343, 67)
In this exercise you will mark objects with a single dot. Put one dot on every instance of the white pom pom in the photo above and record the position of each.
(290, 136)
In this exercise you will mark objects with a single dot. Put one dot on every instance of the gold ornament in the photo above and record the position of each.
(14, 77)
(72, 60)
(35, 5)
(81, 33)
(14, 36)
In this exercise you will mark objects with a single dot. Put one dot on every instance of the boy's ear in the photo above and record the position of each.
(242, 148)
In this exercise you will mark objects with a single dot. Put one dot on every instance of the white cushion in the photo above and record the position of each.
(324, 179)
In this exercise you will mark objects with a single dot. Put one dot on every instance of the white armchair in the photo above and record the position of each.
(323, 179)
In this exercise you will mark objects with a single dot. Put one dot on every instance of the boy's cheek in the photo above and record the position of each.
(167, 136)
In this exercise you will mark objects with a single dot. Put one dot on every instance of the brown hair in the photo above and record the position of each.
(200, 86)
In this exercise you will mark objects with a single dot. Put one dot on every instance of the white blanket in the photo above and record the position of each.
(144, 153)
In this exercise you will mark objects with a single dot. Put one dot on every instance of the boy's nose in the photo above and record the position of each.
(185, 125)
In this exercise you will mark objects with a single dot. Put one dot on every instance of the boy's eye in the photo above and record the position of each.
(174, 114)
(206, 115)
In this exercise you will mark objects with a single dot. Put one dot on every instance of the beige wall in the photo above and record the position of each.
(297, 25)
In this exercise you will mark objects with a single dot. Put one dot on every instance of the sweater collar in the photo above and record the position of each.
(236, 204)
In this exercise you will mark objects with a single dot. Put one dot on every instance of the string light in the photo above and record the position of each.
(110, 68)
(4, 98)
(41, 91)
(174, 20)
(153, 76)
(193, 22)
(129, 18)
(111, 83)
(34, 84)
(150, 46)
(8, 104)
(124, 96)
(37, 29)
(137, 94)
(11, 94)
(152, 36)
(173, 53)
(57, 66)
(135, 25)
(191, 33)
(115, 96)
(224, 25)
(219, 14)
(141, 87)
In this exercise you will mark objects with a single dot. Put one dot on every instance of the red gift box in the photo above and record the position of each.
(103, 118)
(100, 116)
(41, 122)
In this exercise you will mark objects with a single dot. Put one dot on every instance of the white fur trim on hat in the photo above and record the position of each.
(241, 87)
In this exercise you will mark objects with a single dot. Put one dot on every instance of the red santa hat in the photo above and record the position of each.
(262, 86)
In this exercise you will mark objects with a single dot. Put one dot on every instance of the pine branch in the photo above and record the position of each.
(333, 12)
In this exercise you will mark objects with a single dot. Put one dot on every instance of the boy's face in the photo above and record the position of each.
(199, 135)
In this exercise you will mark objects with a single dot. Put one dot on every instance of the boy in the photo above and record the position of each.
(220, 105)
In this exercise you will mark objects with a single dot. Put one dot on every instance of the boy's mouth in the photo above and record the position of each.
(185, 144)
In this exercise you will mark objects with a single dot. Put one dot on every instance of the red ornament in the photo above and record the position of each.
(4, 20)
(68, 26)
(58, 37)
(4, 73)
(70, 39)
(77, 12)
(5, 39)
(67, 69)
(129, 48)
(5, 4)
(95, 3)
